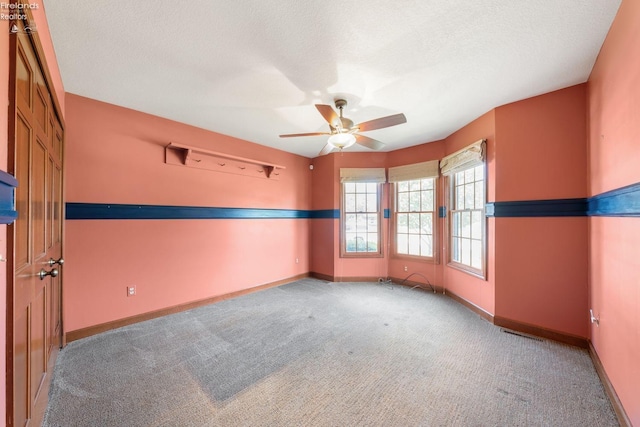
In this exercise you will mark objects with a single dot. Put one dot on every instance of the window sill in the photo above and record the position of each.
(415, 258)
(466, 269)
(362, 255)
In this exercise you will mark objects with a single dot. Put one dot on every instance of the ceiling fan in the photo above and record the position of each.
(343, 133)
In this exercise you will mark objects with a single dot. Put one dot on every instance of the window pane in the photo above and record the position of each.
(414, 244)
(350, 202)
(403, 244)
(459, 178)
(414, 202)
(403, 223)
(372, 223)
(373, 242)
(455, 249)
(476, 254)
(468, 176)
(361, 222)
(465, 251)
(403, 186)
(403, 202)
(427, 200)
(372, 187)
(479, 172)
(349, 187)
(479, 193)
(361, 244)
(426, 248)
(455, 224)
(414, 185)
(361, 187)
(350, 222)
(361, 202)
(459, 198)
(465, 228)
(476, 225)
(372, 202)
(414, 223)
(350, 242)
(427, 184)
(426, 223)
(468, 196)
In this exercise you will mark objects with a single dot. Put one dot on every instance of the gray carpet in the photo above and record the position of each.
(312, 353)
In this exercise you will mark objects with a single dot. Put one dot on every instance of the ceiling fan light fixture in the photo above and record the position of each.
(341, 140)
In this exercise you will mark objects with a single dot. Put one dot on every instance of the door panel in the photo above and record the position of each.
(21, 225)
(38, 199)
(35, 323)
(36, 343)
(21, 393)
(24, 78)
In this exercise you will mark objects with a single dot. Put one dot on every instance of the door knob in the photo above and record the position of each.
(44, 273)
(53, 262)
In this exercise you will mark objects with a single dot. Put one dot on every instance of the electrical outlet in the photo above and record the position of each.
(131, 291)
(406, 268)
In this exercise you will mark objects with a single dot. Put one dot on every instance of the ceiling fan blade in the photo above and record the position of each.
(382, 122)
(304, 134)
(328, 113)
(365, 141)
(326, 150)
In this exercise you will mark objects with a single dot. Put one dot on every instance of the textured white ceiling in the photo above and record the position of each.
(253, 69)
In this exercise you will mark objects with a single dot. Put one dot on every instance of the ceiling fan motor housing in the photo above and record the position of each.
(345, 124)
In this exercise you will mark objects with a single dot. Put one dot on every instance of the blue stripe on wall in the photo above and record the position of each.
(538, 208)
(8, 185)
(623, 201)
(325, 213)
(124, 211)
(620, 202)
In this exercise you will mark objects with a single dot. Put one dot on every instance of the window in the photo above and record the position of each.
(361, 218)
(414, 219)
(467, 223)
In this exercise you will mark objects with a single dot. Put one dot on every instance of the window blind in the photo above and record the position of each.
(462, 159)
(415, 171)
(362, 175)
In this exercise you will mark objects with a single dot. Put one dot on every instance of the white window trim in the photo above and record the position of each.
(361, 175)
(434, 222)
(482, 272)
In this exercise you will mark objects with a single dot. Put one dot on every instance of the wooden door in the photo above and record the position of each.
(34, 305)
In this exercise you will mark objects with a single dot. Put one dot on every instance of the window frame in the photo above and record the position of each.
(343, 223)
(434, 224)
(467, 268)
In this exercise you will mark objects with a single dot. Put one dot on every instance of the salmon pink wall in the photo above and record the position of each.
(322, 229)
(542, 150)
(614, 159)
(116, 155)
(541, 263)
(479, 292)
